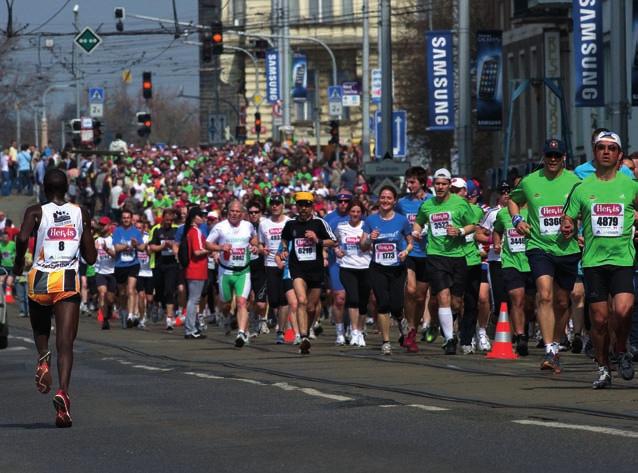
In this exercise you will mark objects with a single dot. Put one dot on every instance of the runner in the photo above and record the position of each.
(258, 272)
(105, 269)
(309, 235)
(144, 278)
(353, 268)
(196, 272)
(553, 259)
(387, 235)
(63, 233)
(449, 218)
(416, 287)
(605, 203)
(235, 239)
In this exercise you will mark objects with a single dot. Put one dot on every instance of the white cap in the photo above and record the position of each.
(442, 174)
(608, 136)
(459, 183)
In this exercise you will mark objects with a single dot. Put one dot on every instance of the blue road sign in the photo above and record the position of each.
(399, 133)
(96, 95)
(335, 93)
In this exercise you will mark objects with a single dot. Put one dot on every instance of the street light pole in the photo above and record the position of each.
(386, 81)
(365, 85)
(44, 123)
(76, 74)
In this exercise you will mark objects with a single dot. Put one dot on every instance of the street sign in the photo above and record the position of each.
(258, 99)
(96, 95)
(399, 133)
(335, 98)
(87, 40)
(375, 88)
(96, 110)
(386, 167)
(216, 126)
(126, 76)
(276, 109)
(86, 130)
(351, 97)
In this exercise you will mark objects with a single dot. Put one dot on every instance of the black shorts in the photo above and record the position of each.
(314, 280)
(123, 273)
(258, 284)
(417, 264)
(515, 279)
(606, 280)
(287, 286)
(357, 287)
(275, 284)
(484, 270)
(564, 269)
(388, 285)
(447, 272)
(145, 283)
(107, 280)
(82, 269)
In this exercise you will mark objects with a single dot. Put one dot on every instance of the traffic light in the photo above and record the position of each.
(144, 121)
(257, 123)
(260, 48)
(97, 132)
(147, 85)
(240, 133)
(217, 37)
(207, 46)
(334, 132)
(76, 128)
(119, 16)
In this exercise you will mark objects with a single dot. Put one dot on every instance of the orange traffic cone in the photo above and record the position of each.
(289, 335)
(100, 315)
(8, 296)
(502, 346)
(179, 320)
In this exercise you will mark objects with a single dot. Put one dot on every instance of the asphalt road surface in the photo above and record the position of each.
(150, 401)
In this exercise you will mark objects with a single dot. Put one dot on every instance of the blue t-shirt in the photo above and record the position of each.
(410, 207)
(334, 219)
(587, 169)
(121, 236)
(391, 240)
(179, 233)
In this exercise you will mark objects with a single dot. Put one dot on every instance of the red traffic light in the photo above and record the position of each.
(147, 85)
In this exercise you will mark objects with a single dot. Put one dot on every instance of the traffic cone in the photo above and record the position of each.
(100, 315)
(179, 320)
(8, 296)
(289, 335)
(502, 346)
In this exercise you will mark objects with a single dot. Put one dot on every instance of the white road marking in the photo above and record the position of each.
(23, 339)
(18, 348)
(250, 381)
(423, 407)
(586, 428)
(203, 375)
(152, 368)
(334, 397)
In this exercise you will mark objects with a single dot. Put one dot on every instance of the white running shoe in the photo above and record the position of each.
(467, 349)
(361, 341)
(386, 349)
(369, 321)
(311, 334)
(484, 342)
(297, 339)
(341, 341)
(263, 326)
(354, 338)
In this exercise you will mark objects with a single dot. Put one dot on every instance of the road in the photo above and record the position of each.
(152, 401)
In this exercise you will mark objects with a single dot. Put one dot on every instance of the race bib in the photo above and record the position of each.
(607, 220)
(238, 256)
(351, 245)
(386, 254)
(549, 219)
(305, 249)
(469, 238)
(142, 256)
(128, 255)
(515, 241)
(411, 218)
(439, 223)
(168, 251)
(102, 254)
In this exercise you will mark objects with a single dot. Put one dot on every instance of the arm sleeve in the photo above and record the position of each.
(422, 215)
(499, 227)
(286, 233)
(213, 235)
(325, 231)
(518, 194)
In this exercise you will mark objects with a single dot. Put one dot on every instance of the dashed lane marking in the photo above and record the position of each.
(22, 339)
(423, 407)
(586, 428)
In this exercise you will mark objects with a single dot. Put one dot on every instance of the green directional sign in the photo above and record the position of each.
(87, 40)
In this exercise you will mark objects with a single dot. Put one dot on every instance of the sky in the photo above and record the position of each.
(173, 63)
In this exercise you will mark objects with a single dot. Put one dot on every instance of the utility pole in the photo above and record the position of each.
(317, 106)
(365, 85)
(18, 124)
(465, 102)
(386, 80)
(285, 62)
(619, 104)
(76, 72)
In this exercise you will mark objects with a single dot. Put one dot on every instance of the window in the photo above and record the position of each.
(347, 10)
(293, 10)
(320, 10)
(326, 10)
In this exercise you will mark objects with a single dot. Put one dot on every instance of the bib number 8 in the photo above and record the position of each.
(61, 246)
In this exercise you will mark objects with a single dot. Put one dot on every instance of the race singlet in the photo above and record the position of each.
(607, 220)
(305, 249)
(386, 254)
(515, 241)
(439, 223)
(549, 219)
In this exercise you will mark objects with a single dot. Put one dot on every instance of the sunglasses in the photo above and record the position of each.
(554, 156)
(254, 212)
(304, 204)
(344, 201)
(602, 147)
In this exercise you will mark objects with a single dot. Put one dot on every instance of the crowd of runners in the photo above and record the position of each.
(266, 241)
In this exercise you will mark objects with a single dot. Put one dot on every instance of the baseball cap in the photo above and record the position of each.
(104, 221)
(554, 146)
(276, 199)
(304, 196)
(459, 183)
(503, 187)
(213, 214)
(608, 136)
(344, 196)
(473, 188)
(442, 174)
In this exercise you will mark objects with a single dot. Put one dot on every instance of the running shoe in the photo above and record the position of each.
(386, 348)
(467, 349)
(304, 346)
(62, 405)
(297, 340)
(521, 345)
(106, 325)
(551, 361)
(279, 339)
(361, 340)
(142, 323)
(577, 344)
(369, 321)
(241, 339)
(263, 326)
(195, 336)
(318, 329)
(450, 346)
(410, 342)
(484, 342)
(354, 338)
(169, 324)
(424, 330)
(431, 334)
(564, 344)
(43, 374)
(129, 322)
(604, 378)
(626, 366)
(340, 341)
(311, 334)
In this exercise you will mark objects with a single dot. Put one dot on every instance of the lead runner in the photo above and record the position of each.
(63, 232)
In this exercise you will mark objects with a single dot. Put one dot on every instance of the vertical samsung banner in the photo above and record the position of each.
(489, 79)
(440, 80)
(634, 55)
(272, 76)
(299, 77)
(588, 53)
(551, 67)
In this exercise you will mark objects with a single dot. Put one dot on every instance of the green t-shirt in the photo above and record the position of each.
(545, 201)
(7, 253)
(454, 211)
(472, 253)
(606, 210)
(513, 244)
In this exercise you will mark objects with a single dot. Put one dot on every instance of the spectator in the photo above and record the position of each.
(116, 205)
(6, 174)
(349, 176)
(24, 170)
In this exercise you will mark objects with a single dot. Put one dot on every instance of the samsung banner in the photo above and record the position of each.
(299, 77)
(440, 80)
(489, 80)
(272, 75)
(588, 53)
(634, 54)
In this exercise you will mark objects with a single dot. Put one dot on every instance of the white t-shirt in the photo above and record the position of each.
(239, 237)
(488, 224)
(145, 261)
(270, 236)
(348, 238)
(104, 264)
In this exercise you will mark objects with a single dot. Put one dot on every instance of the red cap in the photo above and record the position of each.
(104, 221)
